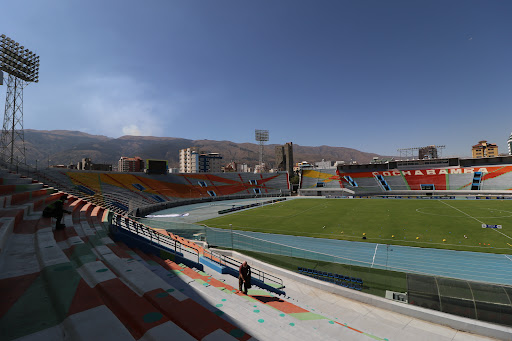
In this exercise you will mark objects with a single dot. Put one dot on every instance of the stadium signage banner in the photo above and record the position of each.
(486, 226)
(444, 171)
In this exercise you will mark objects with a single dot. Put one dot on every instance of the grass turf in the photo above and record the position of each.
(421, 223)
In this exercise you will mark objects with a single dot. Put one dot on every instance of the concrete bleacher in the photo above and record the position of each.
(80, 284)
(495, 178)
(460, 181)
(77, 283)
(498, 180)
(328, 177)
(397, 183)
(90, 287)
(119, 187)
(366, 185)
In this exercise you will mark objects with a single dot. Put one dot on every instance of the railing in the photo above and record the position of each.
(228, 261)
(153, 237)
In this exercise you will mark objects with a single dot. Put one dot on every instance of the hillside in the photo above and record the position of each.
(66, 147)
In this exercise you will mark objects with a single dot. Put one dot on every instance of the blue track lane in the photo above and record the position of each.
(474, 266)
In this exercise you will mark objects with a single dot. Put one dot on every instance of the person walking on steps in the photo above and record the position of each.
(56, 210)
(244, 277)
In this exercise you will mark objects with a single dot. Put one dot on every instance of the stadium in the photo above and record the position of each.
(380, 247)
(375, 251)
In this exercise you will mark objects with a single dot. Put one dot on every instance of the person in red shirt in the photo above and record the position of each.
(244, 277)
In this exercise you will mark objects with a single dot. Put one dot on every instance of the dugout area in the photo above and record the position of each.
(480, 301)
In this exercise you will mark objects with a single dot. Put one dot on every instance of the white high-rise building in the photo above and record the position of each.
(509, 144)
(194, 161)
(189, 160)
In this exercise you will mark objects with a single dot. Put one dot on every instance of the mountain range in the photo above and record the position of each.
(68, 147)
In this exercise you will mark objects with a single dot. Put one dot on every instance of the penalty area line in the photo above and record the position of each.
(508, 258)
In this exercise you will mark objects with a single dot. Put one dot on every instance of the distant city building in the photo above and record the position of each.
(484, 149)
(428, 152)
(324, 164)
(260, 168)
(130, 164)
(509, 144)
(189, 160)
(87, 164)
(284, 158)
(174, 170)
(194, 161)
(299, 165)
(210, 163)
(243, 168)
(230, 167)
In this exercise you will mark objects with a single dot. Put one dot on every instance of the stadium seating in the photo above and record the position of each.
(123, 191)
(498, 179)
(327, 178)
(344, 281)
(460, 181)
(78, 283)
(450, 178)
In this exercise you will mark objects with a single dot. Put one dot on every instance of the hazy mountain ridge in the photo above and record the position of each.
(66, 147)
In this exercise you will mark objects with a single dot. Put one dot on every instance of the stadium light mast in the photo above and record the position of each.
(261, 137)
(22, 67)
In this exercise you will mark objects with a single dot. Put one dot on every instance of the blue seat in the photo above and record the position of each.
(347, 278)
(359, 280)
(353, 279)
(299, 268)
(331, 275)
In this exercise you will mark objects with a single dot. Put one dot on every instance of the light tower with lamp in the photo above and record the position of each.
(22, 67)
(261, 137)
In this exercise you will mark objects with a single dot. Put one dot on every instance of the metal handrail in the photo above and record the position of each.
(226, 260)
(151, 235)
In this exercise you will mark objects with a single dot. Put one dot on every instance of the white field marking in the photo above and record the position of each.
(508, 258)
(455, 208)
(419, 210)
(373, 260)
(481, 222)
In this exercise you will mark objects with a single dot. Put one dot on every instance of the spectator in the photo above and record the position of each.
(244, 277)
(56, 210)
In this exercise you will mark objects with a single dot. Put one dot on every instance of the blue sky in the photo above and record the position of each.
(371, 75)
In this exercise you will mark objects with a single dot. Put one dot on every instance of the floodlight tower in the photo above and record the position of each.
(22, 66)
(261, 137)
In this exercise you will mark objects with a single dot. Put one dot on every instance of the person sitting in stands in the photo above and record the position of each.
(56, 210)
(244, 277)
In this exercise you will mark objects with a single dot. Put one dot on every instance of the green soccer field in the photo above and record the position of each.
(448, 224)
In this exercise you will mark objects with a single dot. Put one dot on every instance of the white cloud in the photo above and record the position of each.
(116, 106)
